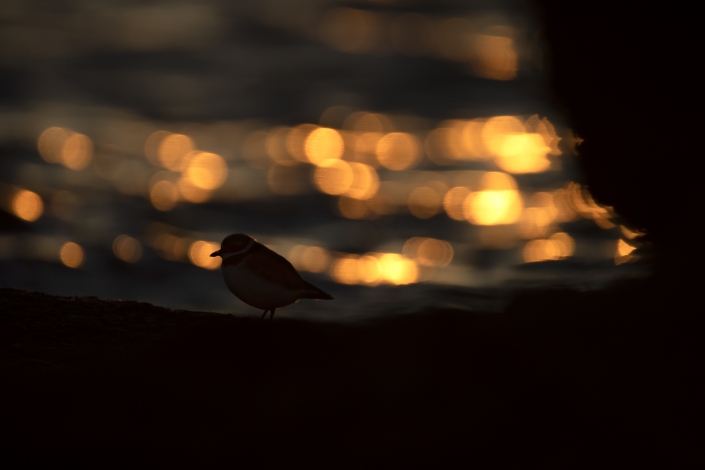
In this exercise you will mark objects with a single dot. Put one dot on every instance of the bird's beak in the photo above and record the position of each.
(215, 253)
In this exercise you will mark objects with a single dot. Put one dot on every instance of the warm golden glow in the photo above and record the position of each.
(164, 195)
(471, 135)
(276, 146)
(523, 153)
(492, 207)
(362, 121)
(582, 202)
(558, 246)
(173, 150)
(205, 170)
(629, 234)
(314, 259)
(333, 177)
(424, 202)
(398, 270)
(352, 208)
(345, 270)
(365, 147)
(497, 129)
(323, 144)
(199, 253)
(77, 151)
(624, 252)
(534, 222)
(27, 205)
(350, 30)
(365, 181)
(398, 151)
(540, 250)
(192, 193)
(71, 254)
(151, 146)
(453, 202)
(496, 180)
(127, 248)
(51, 142)
(429, 251)
(369, 270)
(564, 243)
(296, 141)
(494, 57)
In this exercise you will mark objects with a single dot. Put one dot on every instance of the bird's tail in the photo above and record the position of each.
(313, 292)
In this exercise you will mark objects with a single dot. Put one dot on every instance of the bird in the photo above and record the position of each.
(262, 278)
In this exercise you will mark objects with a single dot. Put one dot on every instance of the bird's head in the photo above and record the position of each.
(234, 243)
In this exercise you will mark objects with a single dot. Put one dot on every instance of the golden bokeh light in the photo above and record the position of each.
(540, 250)
(497, 129)
(71, 254)
(314, 259)
(523, 153)
(557, 246)
(323, 144)
(363, 121)
(344, 270)
(365, 147)
(424, 202)
(205, 170)
(164, 195)
(191, 193)
(296, 141)
(453, 202)
(27, 205)
(151, 146)
(51, 142)
(276, 146)
(350, 30)
(333, 177)
(624, 252)
(472, 143)
(369, 270)
(498, 181)
(352, 208)
(534, 222)
(398, 270)
(127, 248)
(628, 233)
(199, 253)
(365, 181)
(452, 37)
(493, 207)
(398, 151)
(428, 251)
(76, 151)
(564, 243)
(495, 57)
(173, 150)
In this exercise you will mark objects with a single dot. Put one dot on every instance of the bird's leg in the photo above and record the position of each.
(263, 315)
(272, 315)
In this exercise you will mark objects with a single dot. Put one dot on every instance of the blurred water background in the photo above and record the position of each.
(401, 154)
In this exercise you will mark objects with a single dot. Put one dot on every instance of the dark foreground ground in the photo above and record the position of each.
(562, 379)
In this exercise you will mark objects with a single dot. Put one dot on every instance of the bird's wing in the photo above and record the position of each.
(272, 267)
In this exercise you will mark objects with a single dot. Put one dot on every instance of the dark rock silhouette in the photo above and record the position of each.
(626, 79)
